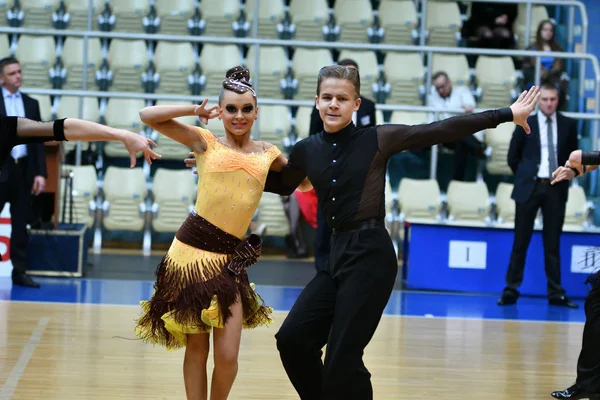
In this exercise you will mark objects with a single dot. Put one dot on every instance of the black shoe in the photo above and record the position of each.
(24, 280)
(509, 297)
(575, 393)
(562, 301)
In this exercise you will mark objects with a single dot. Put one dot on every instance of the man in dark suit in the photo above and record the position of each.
(24, 172)
(364, 117)
(533, 158)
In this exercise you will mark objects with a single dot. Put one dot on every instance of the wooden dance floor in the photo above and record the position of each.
(56, 351)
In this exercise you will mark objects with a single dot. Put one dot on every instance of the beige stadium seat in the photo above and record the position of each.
(85, 190)
(4, 44)
(38, 13)
(409, 117)
(389, 197)
(353, 17)
(68, 106)
(390, 223)
(443, 23)
(468, 203)
(496, 78)
(576, 210)
(539, 13)
(455, 65)
(219, 16)
(399, 20)
(309, 17)
(45, 106)
(73, 57)
(168, 148)
(4, 7)
(78, 13)
(123, 114)
(36, 54)
(129, 15)
(127, 59)
(505, 205)
(369, 68)
(406, 82)
(499, 140)
(272, 214)
(215, 60)
(124, 193)
(274, 123)
(269, 15)
(379, 118)
(306, 65)
(174, 195)
(303, 121)
(215, 126)
(174, 16)
(273, 64)
(174, 62)
(419, 199)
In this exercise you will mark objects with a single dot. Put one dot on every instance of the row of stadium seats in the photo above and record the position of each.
(384, 21)
(470, 204)
(172, 68)
(124, 202)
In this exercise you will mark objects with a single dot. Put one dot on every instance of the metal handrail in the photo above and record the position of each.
(261, 101)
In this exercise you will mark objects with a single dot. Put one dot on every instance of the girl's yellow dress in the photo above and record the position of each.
(194, 287)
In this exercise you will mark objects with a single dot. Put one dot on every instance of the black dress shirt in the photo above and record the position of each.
(347, 168)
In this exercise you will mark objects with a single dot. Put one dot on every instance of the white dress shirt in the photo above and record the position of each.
(460, 97)
(544, 169)
(13, 102)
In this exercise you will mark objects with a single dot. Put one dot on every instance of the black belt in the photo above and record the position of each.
(359, 225)
(544, 180)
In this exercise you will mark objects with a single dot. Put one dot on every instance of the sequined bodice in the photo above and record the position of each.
(230, 184)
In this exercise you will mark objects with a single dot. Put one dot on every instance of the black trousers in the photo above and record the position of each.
(17, 192)
(588, 364)
(552, 202)
(322, 242)
(462, 148)
(340, 307)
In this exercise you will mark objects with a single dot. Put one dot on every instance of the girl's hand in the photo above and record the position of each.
(205, 114)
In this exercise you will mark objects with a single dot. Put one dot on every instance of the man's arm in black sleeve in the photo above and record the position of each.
(394, 138)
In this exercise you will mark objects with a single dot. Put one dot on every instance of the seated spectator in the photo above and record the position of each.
(491, 25)
(445, 95)
(552, 69)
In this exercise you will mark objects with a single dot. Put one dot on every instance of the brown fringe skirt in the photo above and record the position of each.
(201, 276)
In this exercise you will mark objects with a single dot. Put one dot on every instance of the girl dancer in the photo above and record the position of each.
(342, 305)
(201, 283)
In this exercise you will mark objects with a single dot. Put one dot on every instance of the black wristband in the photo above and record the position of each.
(590, 157)
(575, 170)
(505, 115)
(59, 130)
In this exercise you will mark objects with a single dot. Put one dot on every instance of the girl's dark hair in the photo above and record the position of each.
(237, 79)
(339, 72)
(539, 42)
